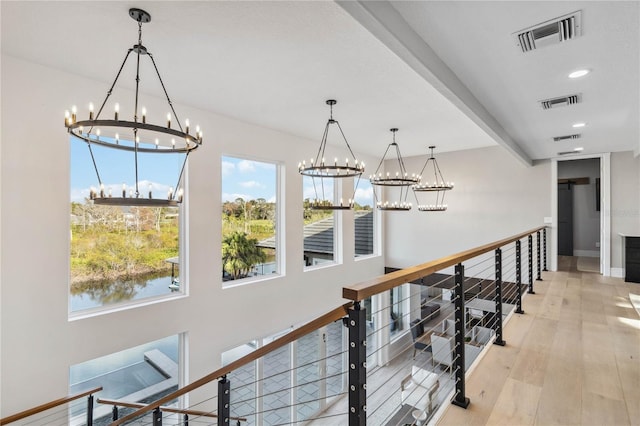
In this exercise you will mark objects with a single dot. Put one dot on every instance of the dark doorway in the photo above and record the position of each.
(565, 219)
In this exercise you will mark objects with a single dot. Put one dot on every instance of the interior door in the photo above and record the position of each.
(565, 219)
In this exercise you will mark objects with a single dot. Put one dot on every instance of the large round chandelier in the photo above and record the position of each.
(398, 179)
(136, 134)
(437, 189)
(322, 167)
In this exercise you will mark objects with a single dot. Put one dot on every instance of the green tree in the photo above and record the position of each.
(240, 254)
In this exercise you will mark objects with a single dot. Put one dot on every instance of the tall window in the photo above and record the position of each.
(142, 373)
(397, 320)
(364, 219)
(319, 225)
(121, 254)
(249, 218)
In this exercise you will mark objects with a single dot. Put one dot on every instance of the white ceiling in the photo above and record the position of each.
(275, 63)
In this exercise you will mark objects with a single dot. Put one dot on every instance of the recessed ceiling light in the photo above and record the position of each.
(579, 124)
(579, 73)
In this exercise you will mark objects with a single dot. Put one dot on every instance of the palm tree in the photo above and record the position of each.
(240, 254)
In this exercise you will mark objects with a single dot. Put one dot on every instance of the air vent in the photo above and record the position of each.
(567, 137)
(551, 32)
(561, 101)
(568, 152)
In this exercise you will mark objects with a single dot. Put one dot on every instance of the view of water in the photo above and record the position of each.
(96, 294)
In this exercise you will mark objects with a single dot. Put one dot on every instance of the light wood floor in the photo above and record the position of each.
(572, 358)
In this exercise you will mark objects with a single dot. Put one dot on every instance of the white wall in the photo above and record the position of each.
(39, 343)
(625, 203)
(586, 219)
(494, 197)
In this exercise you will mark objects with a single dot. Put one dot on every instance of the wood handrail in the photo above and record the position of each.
(47, 406)
(165, 409)
(361, 291)
(309, 327)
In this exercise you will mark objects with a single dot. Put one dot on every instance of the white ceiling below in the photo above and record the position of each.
(275, 63)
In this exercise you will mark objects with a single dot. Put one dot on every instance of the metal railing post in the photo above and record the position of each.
(157, 417)
(544, 236)
(519, 277)
(459, 398)
(185, 420)
(114, 413)
(538, 255)
(357, 366)
(498, 324)
(90, 410)
(530, 244)
(224, 401)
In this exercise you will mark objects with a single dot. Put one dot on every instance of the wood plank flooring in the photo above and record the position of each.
(572, 358)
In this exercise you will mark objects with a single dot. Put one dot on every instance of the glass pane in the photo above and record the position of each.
(243, 383)
(363, 217)
(336, 359)
(120, 254)
(277, 387)
(140, 374)
(319, 225)
(308, 375)
(249, 217)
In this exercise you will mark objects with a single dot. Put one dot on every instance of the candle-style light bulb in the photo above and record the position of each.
(180, 194)
(173, 143)
(168, 120)
(98, 133)
(157, 143)
(131, 193)
(116, 110)
(144, 115)
(90, 110)
(124, 191)
(186, 126)
(150, 194)
(110, 193)
(74, 111)
(67, 117)
(117, 139)
(102, 190)
(170, 193)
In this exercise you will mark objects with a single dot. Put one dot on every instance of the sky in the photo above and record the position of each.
(241, 178)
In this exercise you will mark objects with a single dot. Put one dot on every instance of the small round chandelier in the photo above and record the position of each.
(136, 135)
(319, 169)
(398, 180)
(439, 186)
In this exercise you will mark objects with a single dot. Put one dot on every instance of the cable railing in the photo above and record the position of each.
(57, 412)
(396, 354)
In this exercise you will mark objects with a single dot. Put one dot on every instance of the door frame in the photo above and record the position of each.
(605, 209)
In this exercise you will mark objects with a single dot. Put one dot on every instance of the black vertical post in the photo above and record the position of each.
(90, 410)
(538, 255)
(519, 277)
(357, 366)
(114, 413)
(157, 417)
(498, 323)
(544, 240)
(185, 421)
(459, 398)
(224, 401)
(530, 244)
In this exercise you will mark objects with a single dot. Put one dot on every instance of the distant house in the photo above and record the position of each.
(318, 238)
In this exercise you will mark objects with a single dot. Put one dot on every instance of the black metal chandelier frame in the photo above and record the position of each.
(400, 180)
(89, 131)
(319, 168)
(439, 186)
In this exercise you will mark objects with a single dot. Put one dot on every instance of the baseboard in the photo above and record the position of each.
(617, 272)
(587, 253)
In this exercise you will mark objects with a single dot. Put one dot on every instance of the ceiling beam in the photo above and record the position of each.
(382, 20)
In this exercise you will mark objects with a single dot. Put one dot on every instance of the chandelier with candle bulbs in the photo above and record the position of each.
(322, 167)
(437, 189)
(397, 180)
(137, 134)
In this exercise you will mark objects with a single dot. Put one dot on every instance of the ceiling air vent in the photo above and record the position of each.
(561, 101)
(554, 31)
(567, 137)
